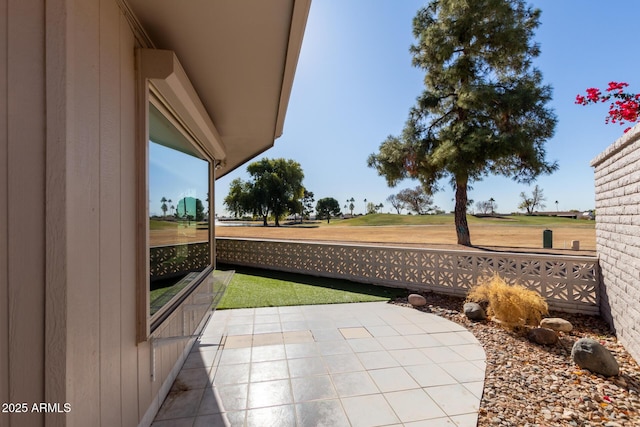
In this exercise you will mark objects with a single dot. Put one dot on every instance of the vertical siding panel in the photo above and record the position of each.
(144, 377)
(110, 399)
(55, 356)
(168, 351)
(25, 208)
(128, 348)
(83, 174)
(4, 303)
(145, 396)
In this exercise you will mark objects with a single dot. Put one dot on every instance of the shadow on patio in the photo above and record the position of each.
(361, 364)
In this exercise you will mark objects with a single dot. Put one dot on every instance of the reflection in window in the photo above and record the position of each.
(178, 212)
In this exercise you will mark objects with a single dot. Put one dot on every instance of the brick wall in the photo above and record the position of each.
(617, 187)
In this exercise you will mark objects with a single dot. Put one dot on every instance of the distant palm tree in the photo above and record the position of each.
(351, 205)
(164, 206)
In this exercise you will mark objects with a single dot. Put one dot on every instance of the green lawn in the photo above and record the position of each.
(156, 224)
(516, 220)
(252, 287)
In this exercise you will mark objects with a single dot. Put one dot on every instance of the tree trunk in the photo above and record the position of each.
(460, 212)
(264, 220)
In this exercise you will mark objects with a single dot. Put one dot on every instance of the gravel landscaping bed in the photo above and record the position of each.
(529, 385)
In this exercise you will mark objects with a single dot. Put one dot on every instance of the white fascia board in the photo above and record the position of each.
(163, 71)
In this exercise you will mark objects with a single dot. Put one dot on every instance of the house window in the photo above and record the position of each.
(179, 247)
(178, 223)
(178, 146)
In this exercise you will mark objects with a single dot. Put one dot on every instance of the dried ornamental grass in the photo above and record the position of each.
(512, 305)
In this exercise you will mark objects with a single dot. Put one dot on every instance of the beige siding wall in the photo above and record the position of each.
(617, 184)
(22, 254)
(67, 219)
(4, 224)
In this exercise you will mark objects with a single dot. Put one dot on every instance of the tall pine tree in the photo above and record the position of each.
(483, 110)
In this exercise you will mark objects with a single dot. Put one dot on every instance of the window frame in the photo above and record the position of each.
(162, 81)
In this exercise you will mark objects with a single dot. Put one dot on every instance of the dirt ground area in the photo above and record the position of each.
(484, 237)
(487, 237)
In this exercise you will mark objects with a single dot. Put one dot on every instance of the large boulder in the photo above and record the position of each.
(557, 324)
(542, 336)
(590, 354)
(417, 300)
(474, 311)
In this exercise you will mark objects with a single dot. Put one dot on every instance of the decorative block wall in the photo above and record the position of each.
(617, 187)
(568, 283)
(174, 260)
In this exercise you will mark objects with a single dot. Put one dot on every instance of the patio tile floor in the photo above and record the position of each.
(365, 364)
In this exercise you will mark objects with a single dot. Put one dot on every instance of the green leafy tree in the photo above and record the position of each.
(199, 210)
(536, 201)
(327, 207)
(274, 189)
(483, 110)
(237, 200)
(307, 203)
(295, 207)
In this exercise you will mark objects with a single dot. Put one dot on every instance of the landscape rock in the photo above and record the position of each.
(557, 324)
(542, 336)
(417, 300)
(590, 354)
(523, 379)
(474, 311)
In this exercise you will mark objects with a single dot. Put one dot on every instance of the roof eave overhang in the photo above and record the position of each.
(298, 25)
(240, 57)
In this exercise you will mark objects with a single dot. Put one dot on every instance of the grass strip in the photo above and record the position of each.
(252, 287)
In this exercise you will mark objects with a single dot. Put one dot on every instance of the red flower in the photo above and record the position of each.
(593, 94)
(625, 108)
(617, 86)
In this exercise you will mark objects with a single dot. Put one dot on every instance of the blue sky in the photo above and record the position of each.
(175, 176)
(354, 85)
